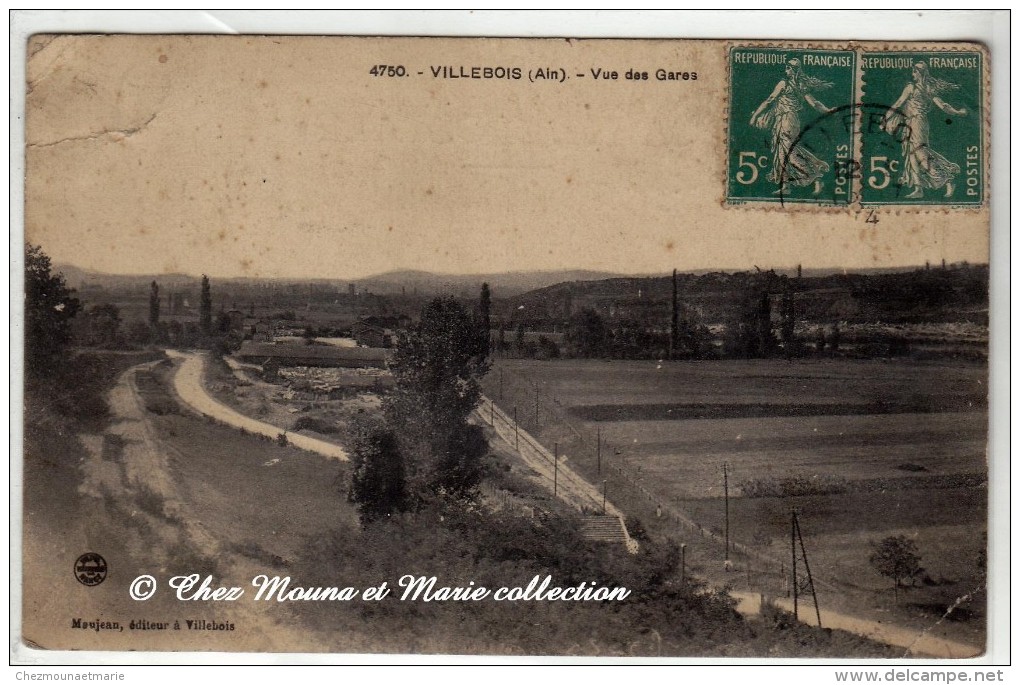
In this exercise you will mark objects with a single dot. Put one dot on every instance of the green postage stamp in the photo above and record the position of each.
(921, 131)
(855, 126)
(791, 132)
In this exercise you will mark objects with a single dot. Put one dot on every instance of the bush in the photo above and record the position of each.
(313, 423)
(636, 529)
(254, 550)
(794, 487)
(761, 538)
(547, 349)
(161, 406)
(378, 482)
(182, 559)
(153, 504)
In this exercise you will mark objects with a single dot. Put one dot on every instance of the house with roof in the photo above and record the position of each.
(314, 355)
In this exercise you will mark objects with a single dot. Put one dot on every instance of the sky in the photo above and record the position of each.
(284, 157)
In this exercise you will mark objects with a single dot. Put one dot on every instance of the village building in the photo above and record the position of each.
(378, 331)
(262, 332)
(313, 355)
(369, 335)
(236, 319)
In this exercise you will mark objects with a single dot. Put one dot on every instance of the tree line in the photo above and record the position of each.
(760, 322)
(56, 318)
(740, 315)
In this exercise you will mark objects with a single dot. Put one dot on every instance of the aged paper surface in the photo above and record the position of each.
(330, 186)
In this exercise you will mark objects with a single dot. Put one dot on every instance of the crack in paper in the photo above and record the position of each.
(114, 132)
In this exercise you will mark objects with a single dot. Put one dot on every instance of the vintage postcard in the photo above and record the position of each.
(506, 346)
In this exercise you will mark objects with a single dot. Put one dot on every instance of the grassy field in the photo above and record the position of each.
(904, 440)
(685, 457)
(773, 382)
(679, 422)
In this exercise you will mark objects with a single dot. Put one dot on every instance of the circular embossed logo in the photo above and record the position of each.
(90, 569)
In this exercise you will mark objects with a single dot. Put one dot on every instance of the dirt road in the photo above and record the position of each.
(914, 642)
(189, 386)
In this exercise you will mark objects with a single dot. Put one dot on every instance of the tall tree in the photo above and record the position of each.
(205, 307)
(766, 340)
(104, 324)
(749, 330)
(896, 557)
(587, 334)
(485, 318)
(834, 338)
(154, 305)
(438, 367)
(674, 329)
(787, 320)
(787, 324)
(49, 307)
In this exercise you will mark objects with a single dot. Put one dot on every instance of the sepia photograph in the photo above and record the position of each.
(627, 349)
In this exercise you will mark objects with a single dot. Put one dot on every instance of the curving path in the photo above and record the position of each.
(915, 642)
(188, 384)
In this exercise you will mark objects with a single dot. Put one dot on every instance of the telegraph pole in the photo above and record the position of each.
(605, 489)
(793, 557)
(598, 450)
(556, 467)
(683, 564)
(517, 443)
(811, 582)
(726, 497)
(674, 330)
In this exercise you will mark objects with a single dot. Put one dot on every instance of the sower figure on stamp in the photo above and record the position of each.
(907, 119)
(793, 165)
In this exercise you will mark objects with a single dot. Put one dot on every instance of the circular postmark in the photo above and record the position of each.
(817, 139)
(90, 569)
(821, 136)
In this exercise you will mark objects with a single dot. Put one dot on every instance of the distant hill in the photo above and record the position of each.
(424, 283)
(502, 284)
(956, 293)
(78, 278)
(521, 287)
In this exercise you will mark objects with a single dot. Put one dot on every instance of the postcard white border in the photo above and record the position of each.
(989, 27)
